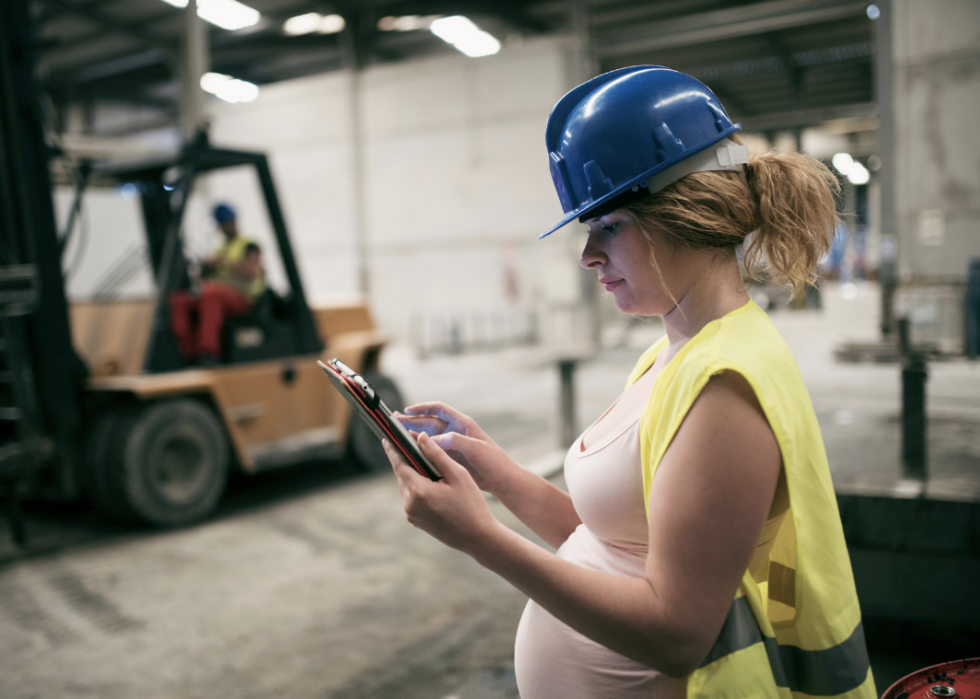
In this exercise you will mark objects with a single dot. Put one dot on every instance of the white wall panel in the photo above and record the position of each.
(456, 177)
(416, 95)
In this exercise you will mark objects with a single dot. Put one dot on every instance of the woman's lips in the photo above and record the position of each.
(610, 283)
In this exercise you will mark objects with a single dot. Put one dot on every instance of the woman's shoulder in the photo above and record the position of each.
(745, 340)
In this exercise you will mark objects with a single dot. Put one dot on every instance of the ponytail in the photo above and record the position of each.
(784, 204)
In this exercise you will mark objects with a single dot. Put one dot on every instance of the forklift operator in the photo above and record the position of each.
(232, 281)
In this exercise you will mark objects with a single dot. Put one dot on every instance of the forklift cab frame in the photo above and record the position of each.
(279, 327)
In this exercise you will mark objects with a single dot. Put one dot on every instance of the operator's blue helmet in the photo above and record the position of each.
(223, 213)
(632, 131)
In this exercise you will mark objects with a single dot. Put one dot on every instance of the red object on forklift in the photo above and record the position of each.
(959, 678)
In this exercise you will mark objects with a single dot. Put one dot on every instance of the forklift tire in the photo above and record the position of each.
(166, 465)
(362, 443)
(96, 477)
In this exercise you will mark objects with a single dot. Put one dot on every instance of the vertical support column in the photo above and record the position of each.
(584, 68)
(914, 377)
(566, 402)
(352, 57)
(884, 96)
(194, 62)
(584, 61)
(973, 310)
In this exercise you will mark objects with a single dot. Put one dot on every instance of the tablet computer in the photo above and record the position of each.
(367, 404)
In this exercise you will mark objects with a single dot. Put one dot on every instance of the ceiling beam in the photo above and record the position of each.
(798, 119)
(730, 23)
(132, 29)
(513, 11)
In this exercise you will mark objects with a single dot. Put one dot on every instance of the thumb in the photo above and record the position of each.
(450, 470)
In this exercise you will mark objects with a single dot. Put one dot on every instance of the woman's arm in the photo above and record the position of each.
(545, 509)
(710, 498)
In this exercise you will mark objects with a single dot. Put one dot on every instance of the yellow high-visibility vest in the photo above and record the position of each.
(234, 251)
(794, 628)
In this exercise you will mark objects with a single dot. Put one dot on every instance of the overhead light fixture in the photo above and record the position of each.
(313, 22)
(227, 14)
(228, 88)
(855, 172)
(843, 162)
(858, 174)
(465, 36)
(406, 23)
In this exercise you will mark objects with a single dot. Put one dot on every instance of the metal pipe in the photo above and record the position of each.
(914, 377)
(193, 65)
(352, 57)
(884, 96)
(566, 404)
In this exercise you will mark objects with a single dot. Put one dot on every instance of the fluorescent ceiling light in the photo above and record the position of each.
(406, 23)
(843, 162)
(228, 88)
(227, 14)
(858, 174)
(314, 22)
(465, 36)
(855, 172)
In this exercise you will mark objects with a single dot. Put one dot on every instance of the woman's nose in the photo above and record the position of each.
(593, 254)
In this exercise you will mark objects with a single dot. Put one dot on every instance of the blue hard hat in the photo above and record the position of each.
(223, 213)
(613, 133)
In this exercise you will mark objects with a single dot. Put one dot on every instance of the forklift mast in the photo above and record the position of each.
(41, 376)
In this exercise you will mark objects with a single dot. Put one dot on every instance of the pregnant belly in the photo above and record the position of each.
(552, 661)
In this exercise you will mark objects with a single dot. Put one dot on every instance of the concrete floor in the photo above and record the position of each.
(309, 582)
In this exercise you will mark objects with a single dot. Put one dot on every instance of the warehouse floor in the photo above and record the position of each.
(309, 582)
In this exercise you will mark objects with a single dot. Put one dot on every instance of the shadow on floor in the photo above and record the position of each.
(54, 526)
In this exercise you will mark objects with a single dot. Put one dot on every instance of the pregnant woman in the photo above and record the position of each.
(699, 547)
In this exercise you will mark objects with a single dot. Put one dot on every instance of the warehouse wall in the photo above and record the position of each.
(456, 174)
(936, 49)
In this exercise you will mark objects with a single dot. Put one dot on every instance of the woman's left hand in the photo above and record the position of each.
(453, 509)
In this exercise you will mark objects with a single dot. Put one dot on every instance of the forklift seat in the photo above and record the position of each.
(265, 332)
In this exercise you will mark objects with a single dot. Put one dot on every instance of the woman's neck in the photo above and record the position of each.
(716, 291)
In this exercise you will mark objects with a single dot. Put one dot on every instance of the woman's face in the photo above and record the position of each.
(619, 252)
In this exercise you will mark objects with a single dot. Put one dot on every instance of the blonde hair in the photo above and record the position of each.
(786, 200)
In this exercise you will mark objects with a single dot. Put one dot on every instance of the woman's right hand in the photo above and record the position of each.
(464, 440)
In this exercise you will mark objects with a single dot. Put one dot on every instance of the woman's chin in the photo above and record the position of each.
(628, 308)
(631, 307)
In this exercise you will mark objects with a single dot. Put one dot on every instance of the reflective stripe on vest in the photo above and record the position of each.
(818, 673)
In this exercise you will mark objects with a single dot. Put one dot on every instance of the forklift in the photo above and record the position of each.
(95, 399)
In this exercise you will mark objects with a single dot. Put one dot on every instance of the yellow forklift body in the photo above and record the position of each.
(275, 412)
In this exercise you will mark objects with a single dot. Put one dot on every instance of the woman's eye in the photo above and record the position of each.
(610, 228)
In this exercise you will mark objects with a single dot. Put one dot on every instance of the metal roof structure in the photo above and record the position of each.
(776, 64)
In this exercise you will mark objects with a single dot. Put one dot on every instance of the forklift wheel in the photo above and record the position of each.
(363, 444)
(165, 465)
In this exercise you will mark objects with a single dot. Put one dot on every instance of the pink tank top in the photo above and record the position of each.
(551, 660)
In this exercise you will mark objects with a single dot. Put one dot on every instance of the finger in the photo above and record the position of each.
(423, 422)
(403, 470)
(454, 441)
(450, 470)
(436, 409)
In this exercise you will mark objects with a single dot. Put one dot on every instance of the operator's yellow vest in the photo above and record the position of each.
(794, 628)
